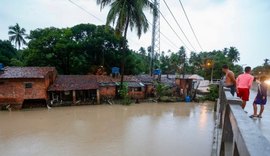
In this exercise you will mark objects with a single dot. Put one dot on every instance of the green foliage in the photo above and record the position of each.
(197, 62)
(77, 49)
(161, 89)
(17, 35)
(126, 14)
(263, 69)
(82, 48)
(213, 93)
(124, 94)
(7, 53)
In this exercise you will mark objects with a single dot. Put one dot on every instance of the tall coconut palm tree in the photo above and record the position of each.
(126, 14)
(17, 35)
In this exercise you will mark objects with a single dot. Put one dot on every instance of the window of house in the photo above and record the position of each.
(28, 85)
(138, 89)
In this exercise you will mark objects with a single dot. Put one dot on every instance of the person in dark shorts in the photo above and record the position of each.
(261, 98)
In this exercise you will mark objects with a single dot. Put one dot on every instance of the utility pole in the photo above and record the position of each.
(155, 46)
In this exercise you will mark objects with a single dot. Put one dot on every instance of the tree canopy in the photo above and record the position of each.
(17, 35)
(7, 52)
(83, 48)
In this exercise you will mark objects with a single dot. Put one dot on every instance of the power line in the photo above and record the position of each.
(86, 11)
(94, 16)
(190, 25)
(170, 41)
(173, 30)
(179, 25)
(102, 21)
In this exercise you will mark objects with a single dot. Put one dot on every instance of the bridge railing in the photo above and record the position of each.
(239, 135)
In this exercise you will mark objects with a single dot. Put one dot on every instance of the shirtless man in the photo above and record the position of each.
(229, 79)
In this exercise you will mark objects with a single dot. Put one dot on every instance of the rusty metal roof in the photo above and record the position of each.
(74, 82)
(25, 72)
(103, 78)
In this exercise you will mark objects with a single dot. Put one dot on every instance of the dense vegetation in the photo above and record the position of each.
(84, 47)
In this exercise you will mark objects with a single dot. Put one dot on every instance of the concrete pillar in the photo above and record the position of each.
(98, 97)
(74, 97)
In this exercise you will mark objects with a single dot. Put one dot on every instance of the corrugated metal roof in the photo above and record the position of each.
(145, 78)
(135, 84)
(127, 78)
(25, 72)
(132, 84)
(74, 82)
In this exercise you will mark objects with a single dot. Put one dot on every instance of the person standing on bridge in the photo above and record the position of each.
(229, 79)
(243, 85)
(261, 97)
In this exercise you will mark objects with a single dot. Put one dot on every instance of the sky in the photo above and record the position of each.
(244, 24)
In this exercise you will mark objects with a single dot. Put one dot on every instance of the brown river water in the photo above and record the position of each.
(176, 129)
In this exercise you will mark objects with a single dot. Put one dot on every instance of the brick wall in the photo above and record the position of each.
(107, 91)
(13, 91)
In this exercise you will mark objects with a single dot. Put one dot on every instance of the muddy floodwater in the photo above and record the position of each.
(177, 129)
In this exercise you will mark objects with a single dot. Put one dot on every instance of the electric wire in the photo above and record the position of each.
(179, 25)
(190, 25)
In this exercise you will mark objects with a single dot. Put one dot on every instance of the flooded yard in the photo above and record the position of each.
(137, 130)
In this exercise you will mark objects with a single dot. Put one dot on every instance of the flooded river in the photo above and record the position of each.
(178, 129)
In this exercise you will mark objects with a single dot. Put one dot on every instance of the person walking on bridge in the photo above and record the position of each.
(261, 97)
(229, 79)
(243, 85)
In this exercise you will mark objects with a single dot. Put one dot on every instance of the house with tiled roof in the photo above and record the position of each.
(148, 82)
(107, 87)
(25, 85)
(74, 90)
(135, 86)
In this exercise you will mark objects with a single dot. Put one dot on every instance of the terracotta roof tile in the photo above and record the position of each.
(74, 82)
(25, 72)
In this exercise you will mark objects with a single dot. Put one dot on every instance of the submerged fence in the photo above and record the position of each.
(236, 133)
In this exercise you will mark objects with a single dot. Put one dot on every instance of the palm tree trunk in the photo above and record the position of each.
(124, 49)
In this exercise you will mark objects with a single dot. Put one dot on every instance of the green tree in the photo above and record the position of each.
(232, 54)
(72, 50)
(7, 52)
(182, 60)
(266, 62)
(125, 14)
(80, 50)
(17, 35)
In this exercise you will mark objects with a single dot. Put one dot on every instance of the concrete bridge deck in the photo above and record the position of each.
(264, 123)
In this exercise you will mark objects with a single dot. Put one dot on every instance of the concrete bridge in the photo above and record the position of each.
(237, 134)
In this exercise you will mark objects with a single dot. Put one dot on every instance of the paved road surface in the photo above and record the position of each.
(264, 123)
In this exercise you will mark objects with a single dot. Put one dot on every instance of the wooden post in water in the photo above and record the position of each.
(74, 97)
(98, 97)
